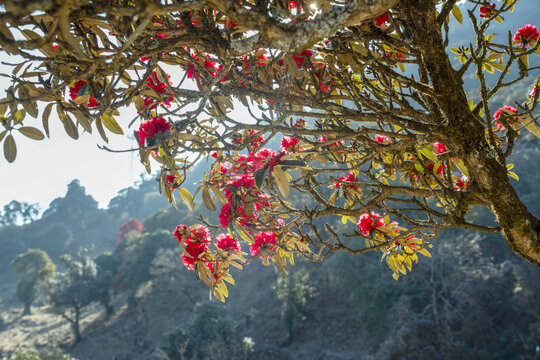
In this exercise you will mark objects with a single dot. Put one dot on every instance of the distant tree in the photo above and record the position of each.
(18, 212)
(137, 255)
(126, 228)
(53, 238)
(107, 265)
(74, 290)
(32, 267)
(293, 291)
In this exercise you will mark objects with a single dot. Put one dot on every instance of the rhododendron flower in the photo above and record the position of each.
(152, 127)
(300, 58)
(300, 123)
(368, 222)
(440, 147)
(126, 228)
(288, 144)
(501, 111)
(196, 239)
(171, 179)
(263, 240)
(487, 10)
(194, 251)
(153, 83)
(225, 215)
(462, 184)
(526, 34)
(347, 182)
(75, 92)
(226, 242)
(381, 19)
(382, 139)
(440, 170)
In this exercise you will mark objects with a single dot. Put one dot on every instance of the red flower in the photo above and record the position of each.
(526, 34)
(126, 228)
(381, 19)
(368, 222)
(288, 144)
(440, 170)
(152, 127)
(501, 111)
(486, 10)
(196, 239)
(300, 123)
(299, 59)
(54, 47)
(263, 240)
(75, 92)
(226, 242)
(440, 147)
(153, 83)
(382, 139)
(193, 253)
(180, 232)
(350, 179)
(171, 179)
(225, 215)
(462, 184)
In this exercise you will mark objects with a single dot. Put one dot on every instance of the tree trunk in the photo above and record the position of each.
(75, 326)
(27, 309)
(463, 133)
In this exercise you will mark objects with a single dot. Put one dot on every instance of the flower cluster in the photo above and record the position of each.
(382, 139)
(487, 10)
(346, 182)
(263, 241)
(526, 34)
(152, 127)
(195, 239)
(368, 222)
(289, 144)
(80, 88)
(503, 111)
(126, 228)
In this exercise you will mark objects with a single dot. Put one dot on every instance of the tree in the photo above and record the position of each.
(364, 96)
(16, 212)
(107, 265)
(75, 289)
(32, 268)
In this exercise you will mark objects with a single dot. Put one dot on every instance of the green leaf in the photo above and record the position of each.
(457, 14)
(461, 166)
(294, 163)
(260, 175)
(111, 124)
(281, 180)
(70, 127)
(207, 199)
(187, 198)
(243, 233)
(19, 116)
(45, 118)
(10, 149)
(31, 132)
(531, 127)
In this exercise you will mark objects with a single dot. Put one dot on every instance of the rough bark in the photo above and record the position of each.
(464, 134)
